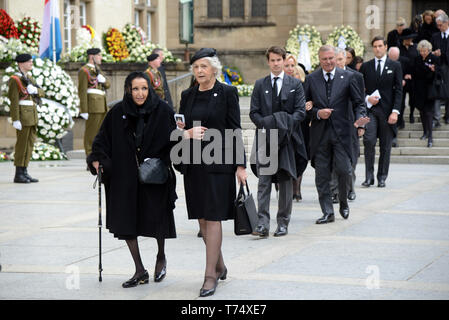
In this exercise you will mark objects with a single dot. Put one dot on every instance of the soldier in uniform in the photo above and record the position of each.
(91, 90)
(154, 62)
(24, 94)
(161, 69)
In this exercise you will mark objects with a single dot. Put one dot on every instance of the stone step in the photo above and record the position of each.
(76, 154)
(437, 134)
(415, 151)
(413, 159)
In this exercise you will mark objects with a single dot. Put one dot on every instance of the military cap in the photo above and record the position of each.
(93, 51)
(152, 57)
(203, 53)
(24, 57)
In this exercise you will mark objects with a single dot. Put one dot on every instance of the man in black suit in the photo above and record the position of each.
(440, 45)
(277, 107)
(383, 90)
(330, 89)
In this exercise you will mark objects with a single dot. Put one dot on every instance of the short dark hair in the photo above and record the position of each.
(379, 38)
(276, 50)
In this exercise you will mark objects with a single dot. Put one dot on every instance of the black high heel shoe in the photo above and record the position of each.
(211, 291)
(133, 282)
(223, 275)
(159, 276)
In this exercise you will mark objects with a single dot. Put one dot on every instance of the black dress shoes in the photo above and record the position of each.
(20, 176)
(424, 136)
(223, 275)
(367, 183)
(281, 231)
(326, 218)
(211, 291)
(25, 172)
(344, 211)
(412, 119)
(297, 197)
(381, 184)
(133, 282)
(351, 196)
(429, 143)
(159, 276)
(261, 231)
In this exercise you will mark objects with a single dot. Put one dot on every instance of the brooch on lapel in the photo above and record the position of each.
(266, 91)
(341, 77)
(215, 94)
(386, 68)
(124, 117)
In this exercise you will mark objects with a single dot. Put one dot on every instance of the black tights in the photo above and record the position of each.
(133, 246)
(212, 236)
(426, 119)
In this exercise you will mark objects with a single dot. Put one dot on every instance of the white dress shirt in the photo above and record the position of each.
(382, 63)
(279, 81)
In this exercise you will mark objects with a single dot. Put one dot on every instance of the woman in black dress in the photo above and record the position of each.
(424, 73)
(210, 187)
(137, 128)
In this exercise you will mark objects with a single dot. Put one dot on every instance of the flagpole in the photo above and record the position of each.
(53, 30)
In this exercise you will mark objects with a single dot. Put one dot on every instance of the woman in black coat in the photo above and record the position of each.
(209, 186)
(137, 128)
(424, 72)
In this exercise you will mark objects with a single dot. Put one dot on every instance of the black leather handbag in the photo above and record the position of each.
(153, 171)
(245, 220)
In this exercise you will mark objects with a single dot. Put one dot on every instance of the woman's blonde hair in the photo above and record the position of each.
(290, 56)
(299, 73)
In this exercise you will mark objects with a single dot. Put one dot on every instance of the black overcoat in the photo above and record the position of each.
(132, 208)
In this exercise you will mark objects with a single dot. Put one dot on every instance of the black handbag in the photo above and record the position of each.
(152, 171)
(245, 220)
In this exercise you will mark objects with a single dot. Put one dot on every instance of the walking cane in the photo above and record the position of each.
(100, 268)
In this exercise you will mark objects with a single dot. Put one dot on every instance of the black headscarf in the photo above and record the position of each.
(140, 113)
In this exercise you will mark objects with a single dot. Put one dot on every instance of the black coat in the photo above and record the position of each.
(345, 88)
(424, 80)
(389, 85)
(292, 152)
(223, 113)
(437, 43)
(134, 209)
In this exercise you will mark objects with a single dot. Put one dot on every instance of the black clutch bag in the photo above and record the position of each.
(153, 171)
(245, 220)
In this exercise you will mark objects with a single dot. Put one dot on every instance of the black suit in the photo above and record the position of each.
(331, 139)
(292, 155)
(390, 89)
(166, 88)
(439, 43)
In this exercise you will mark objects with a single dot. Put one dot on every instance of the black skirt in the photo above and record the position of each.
(209, 196)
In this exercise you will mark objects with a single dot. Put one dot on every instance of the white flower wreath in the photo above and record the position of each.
(346, 36)
(310, 35)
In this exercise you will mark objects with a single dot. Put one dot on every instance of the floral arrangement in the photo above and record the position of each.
(231, 76)
(140, 53)
(43, 151)
(29, 32)
(3, 156)
(56, 83)
(9, 48)
(314, 37)
(245, 90)
(7, 27)
(85, 41)
(53, 121)
(90, 29)
(345, 36)
(116, 45)
(133, 38)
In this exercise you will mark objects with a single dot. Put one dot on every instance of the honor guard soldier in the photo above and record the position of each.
(91, 90)
(24, 95)
(154, 62)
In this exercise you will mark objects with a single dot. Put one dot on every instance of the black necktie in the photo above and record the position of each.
(328, 85)
(275, 99)
(378, 68)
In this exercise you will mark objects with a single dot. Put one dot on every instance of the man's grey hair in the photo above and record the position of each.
(326, 48)
(340, 51)
(215, 64)
(443, 18)
(424, 44)
(394, 50)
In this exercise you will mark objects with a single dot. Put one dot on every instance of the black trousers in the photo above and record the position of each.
(427, 114)
(331, 155)
(410, 102)
(378, 127)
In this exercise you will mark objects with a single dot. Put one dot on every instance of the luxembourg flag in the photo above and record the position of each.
(51, 43)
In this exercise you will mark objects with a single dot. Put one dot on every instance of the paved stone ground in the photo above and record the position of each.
(395, 244)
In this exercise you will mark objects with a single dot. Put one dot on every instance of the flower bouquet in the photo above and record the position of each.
(43, 151)
(10, 48)
(133, 38)
(3, 156)
(53, 121)
(345, 36)
(245, 90)
(231, 76)
(29, 33)
(7, 27)
(116, 45)
(140, 53)
(304, 42)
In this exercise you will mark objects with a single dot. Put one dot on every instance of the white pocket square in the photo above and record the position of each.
(389, 71)
(293, 90)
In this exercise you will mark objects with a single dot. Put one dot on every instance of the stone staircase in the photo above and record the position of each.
(410, 148)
